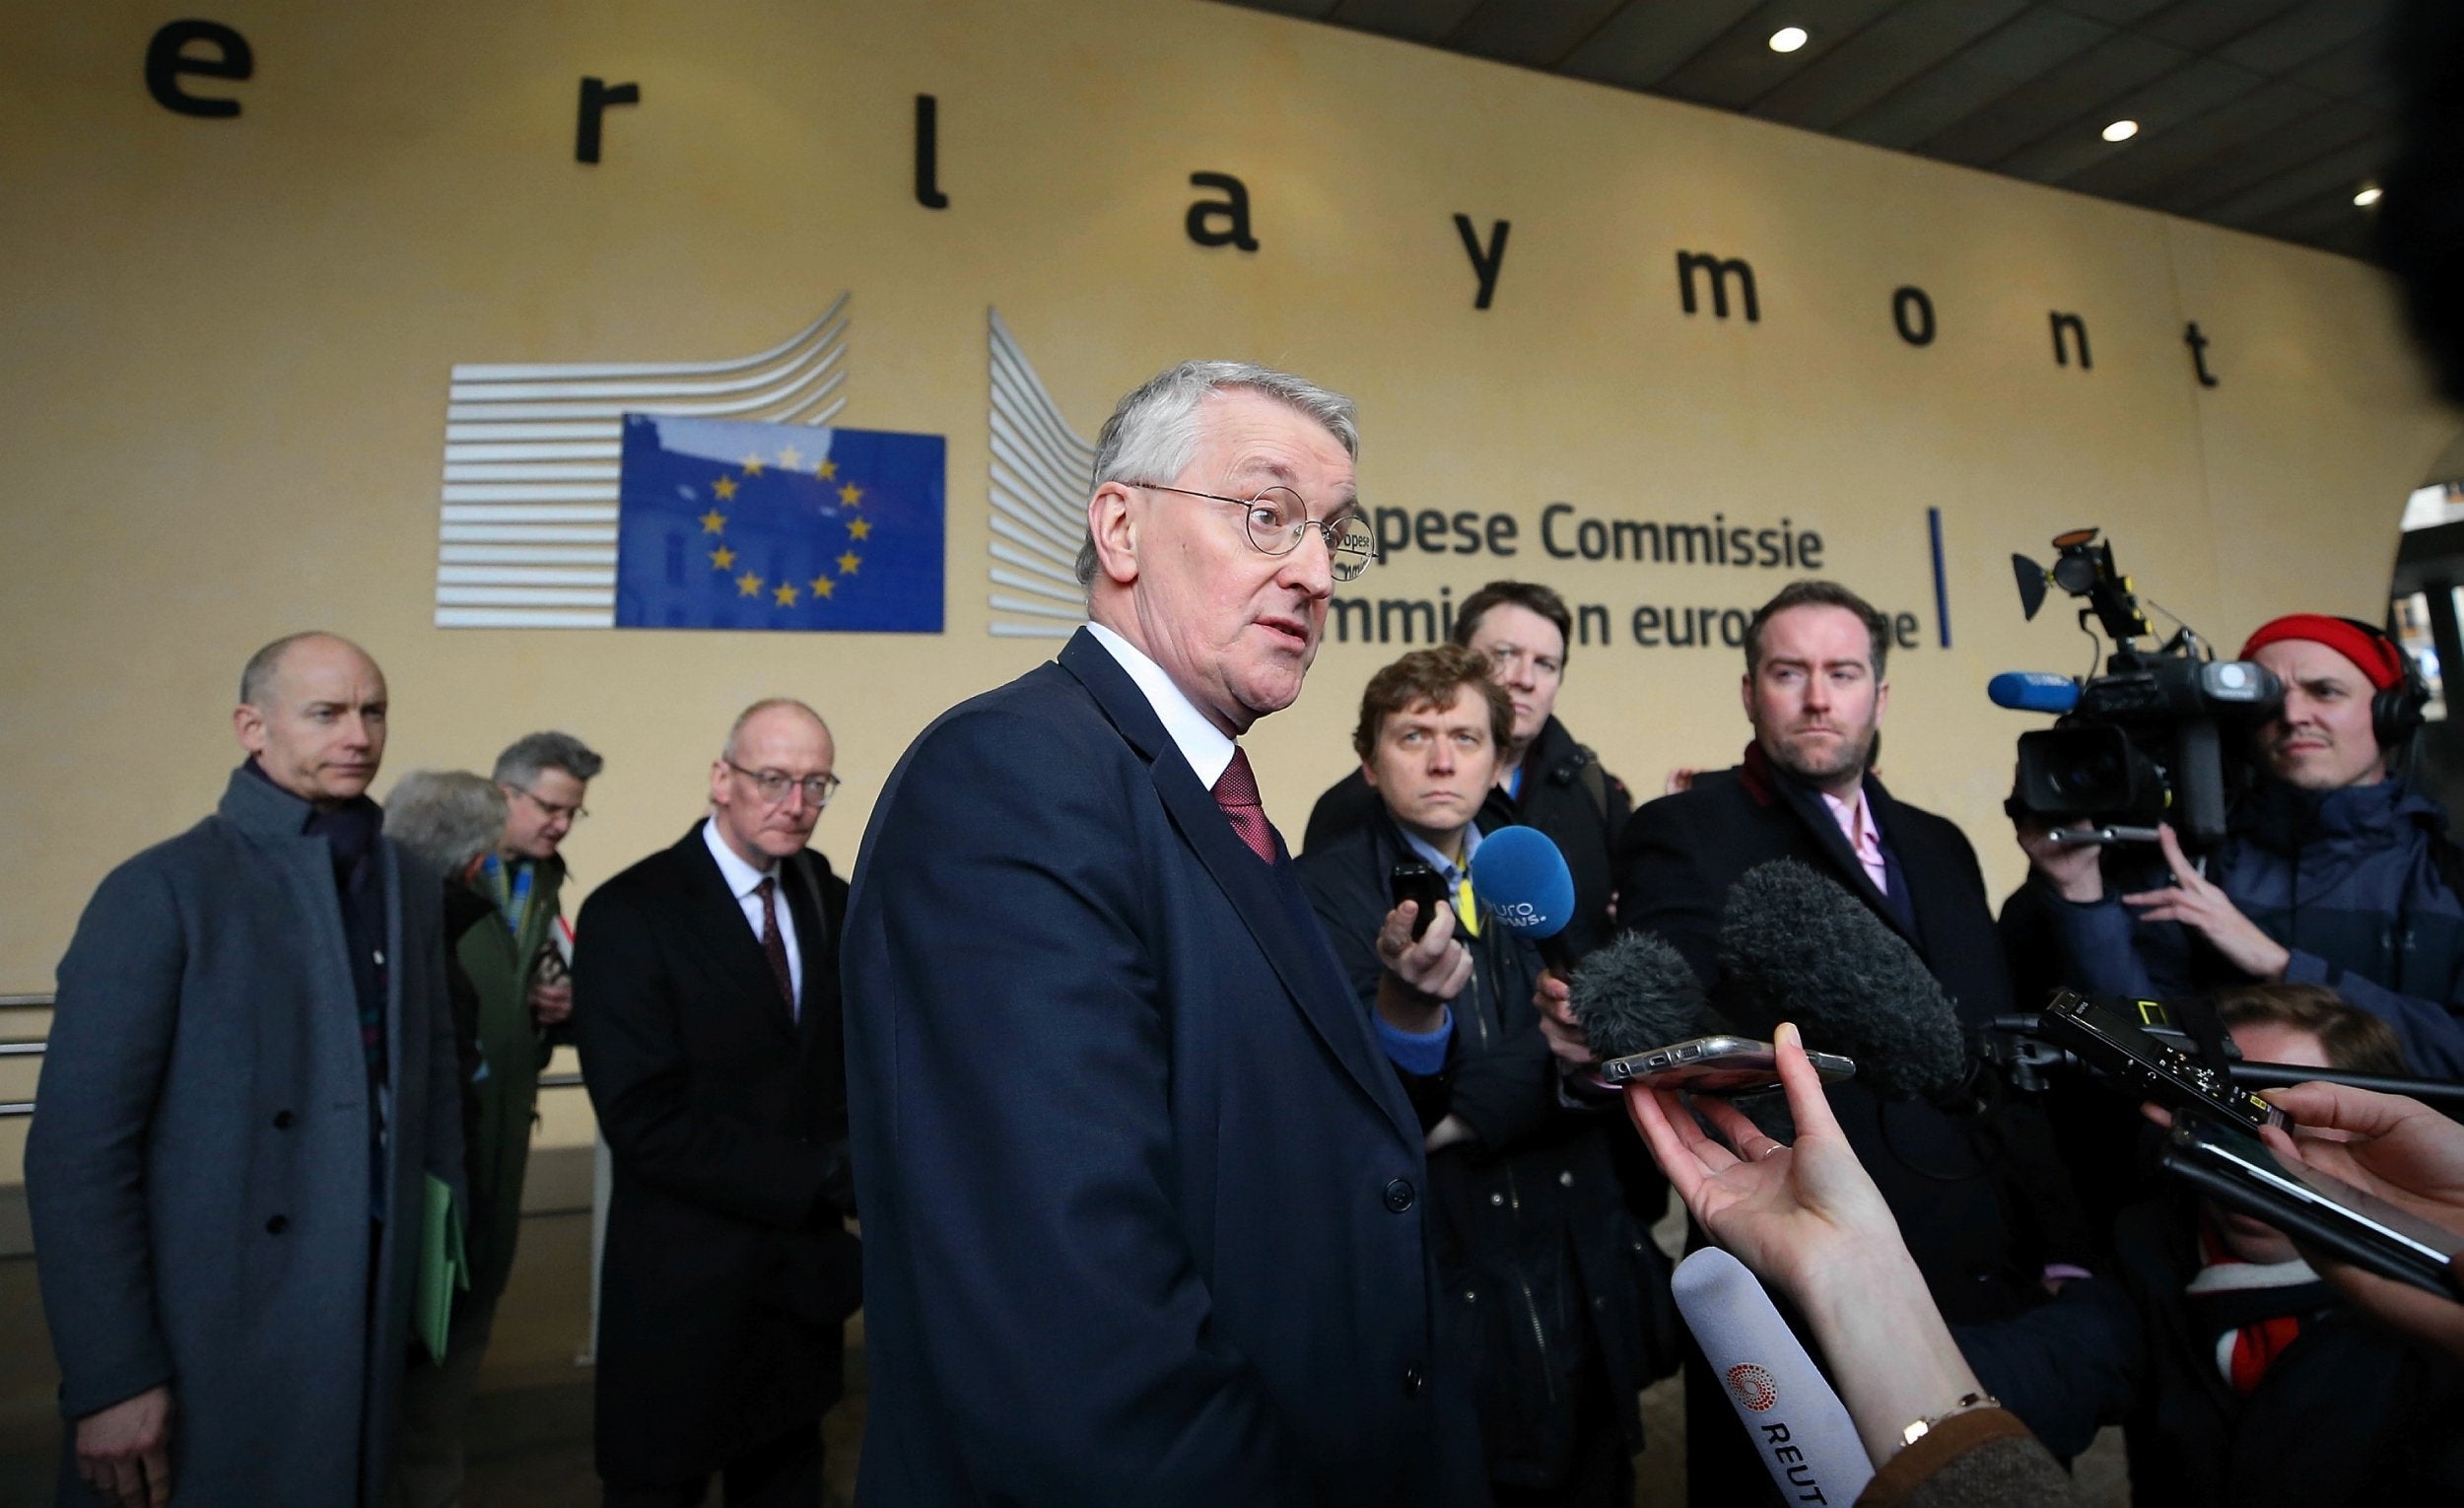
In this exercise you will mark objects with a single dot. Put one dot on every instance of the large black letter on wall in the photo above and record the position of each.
(2198, 344)
(1913, 313)
(597, 97)
(1233, 209)
(2074, 328)
(928, 154)
(166, 58)
(1484, 264)
(1690, 262)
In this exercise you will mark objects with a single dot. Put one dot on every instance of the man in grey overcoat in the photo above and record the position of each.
(251, 1074)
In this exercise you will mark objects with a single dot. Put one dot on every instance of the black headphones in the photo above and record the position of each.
(2395, 713)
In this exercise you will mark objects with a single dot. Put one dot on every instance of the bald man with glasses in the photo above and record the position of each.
(706, 985)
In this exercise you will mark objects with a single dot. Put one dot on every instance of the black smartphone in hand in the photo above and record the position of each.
(1418, 882)
(2240, 1172)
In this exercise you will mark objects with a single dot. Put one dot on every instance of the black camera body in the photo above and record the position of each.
(2161, 736)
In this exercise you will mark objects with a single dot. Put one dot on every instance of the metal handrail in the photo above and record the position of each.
(9, 1107)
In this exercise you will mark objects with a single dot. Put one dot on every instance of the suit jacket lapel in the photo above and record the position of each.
(718, 921)
(1895, 832)
(813, 930)
(1810, 810)
(1251, 886)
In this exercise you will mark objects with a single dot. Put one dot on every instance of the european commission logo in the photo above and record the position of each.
(729, 525)
(711, 495)
(1041, 473)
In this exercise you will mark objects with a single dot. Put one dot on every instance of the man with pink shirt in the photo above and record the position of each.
(1976, 1213)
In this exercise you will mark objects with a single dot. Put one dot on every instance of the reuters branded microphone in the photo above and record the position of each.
(1798, 1424)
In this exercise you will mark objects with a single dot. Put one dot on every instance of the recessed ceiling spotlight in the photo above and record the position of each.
(2121, 130)
(1787, 39)
(2368, 195)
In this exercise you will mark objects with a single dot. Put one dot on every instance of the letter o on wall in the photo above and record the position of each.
(1913, 313)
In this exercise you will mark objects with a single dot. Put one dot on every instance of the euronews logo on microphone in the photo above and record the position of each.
(1522, 915)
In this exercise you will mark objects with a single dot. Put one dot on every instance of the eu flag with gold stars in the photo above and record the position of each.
(723, 524)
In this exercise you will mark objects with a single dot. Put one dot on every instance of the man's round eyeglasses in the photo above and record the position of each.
(773, 785)
(1277, 518)
(554, 810)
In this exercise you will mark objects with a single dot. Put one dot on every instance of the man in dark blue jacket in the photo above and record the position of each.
(1142, 1200)
(1538, 1261)
(2335, 871)
(1545, 777)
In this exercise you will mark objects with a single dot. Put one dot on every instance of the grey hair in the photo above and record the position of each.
(257, 676)
(447, 817)
(524, 759)
(735, 729)
(1154, 432)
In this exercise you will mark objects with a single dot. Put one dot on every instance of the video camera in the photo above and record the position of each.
(2146, 741)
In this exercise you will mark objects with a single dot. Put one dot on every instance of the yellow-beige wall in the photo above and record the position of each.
(224, 346)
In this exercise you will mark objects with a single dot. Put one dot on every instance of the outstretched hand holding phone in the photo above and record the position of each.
(1808, 1219)
(2402, 1151)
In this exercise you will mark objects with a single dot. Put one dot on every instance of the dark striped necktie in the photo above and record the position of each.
(1236, 792)
(774, 944)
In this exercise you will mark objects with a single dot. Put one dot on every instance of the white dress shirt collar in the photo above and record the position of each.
(1202, 743)
(740, 876)
(742, 881)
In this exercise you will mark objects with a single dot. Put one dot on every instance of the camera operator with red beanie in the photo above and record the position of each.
(2334, 870)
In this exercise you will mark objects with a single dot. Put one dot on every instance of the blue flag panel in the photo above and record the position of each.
(724, 524)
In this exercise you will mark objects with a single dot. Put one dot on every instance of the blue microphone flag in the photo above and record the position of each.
(1519, 874)
(2034, 691)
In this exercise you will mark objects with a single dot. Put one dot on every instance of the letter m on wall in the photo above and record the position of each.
(1694, 265)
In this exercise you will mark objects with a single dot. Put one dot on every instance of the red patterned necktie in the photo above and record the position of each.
(1236, 792)
(774, 944)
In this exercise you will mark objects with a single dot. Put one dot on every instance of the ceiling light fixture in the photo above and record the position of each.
(2121, 130)
(1787, 39)
(2368, 195)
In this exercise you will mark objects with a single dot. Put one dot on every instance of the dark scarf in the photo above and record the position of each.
(1768, 781)
(350, 831)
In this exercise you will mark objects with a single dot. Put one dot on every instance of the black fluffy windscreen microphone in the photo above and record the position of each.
(1810, 953)
(1637, 993)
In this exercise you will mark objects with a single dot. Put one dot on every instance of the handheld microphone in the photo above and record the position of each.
(2039, 691)
(1798, 1424)
(1814, 954)
(1637, 993)
(1524, 882)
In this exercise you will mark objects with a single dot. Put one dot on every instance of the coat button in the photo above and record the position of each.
(1398, 1195)
(282, 1120)
(1415, 1380)
(277, 1225)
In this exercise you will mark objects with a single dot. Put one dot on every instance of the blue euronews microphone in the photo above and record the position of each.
(1523, 880)
(2039, 691)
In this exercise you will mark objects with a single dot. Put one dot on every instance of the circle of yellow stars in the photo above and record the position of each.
(749, 583)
